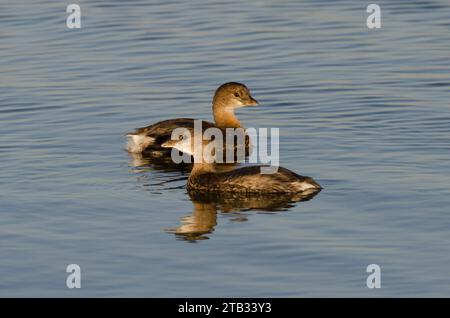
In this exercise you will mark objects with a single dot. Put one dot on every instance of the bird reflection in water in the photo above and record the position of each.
(151, 161)
(202, 221)
(142, 162)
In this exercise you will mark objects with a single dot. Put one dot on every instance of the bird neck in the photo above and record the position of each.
(224, 116)
(201, 168)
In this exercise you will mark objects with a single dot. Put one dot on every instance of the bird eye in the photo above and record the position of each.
(181, 137)
(237, 95)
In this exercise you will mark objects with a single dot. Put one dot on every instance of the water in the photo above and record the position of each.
(364, 112)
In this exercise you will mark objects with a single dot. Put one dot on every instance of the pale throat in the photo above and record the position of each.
(203, 161)
(225, 117)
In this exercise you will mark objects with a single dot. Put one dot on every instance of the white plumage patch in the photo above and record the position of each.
(138, 143)
(301, 186)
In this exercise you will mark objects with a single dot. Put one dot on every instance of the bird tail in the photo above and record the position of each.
(138, 143)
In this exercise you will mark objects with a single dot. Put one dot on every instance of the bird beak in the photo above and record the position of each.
(167, 144)
(252, 102)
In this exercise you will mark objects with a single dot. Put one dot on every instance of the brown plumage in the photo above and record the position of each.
(227, 98)
(204, 176)
(250, 180)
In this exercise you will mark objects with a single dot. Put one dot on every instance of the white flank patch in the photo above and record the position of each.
(303, 186)
(138, 143)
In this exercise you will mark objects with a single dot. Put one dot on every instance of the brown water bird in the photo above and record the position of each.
(204, 176)
(227, 98)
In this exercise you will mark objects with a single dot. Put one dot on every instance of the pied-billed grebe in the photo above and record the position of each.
(227, 98)
(205, 178)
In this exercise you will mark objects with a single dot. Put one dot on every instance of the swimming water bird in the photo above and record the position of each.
(205, 178)
(227, 98)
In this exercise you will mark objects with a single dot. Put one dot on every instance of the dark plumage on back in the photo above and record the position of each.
(159, 133)
(204, 176)
(227, 98)
(250, 180)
